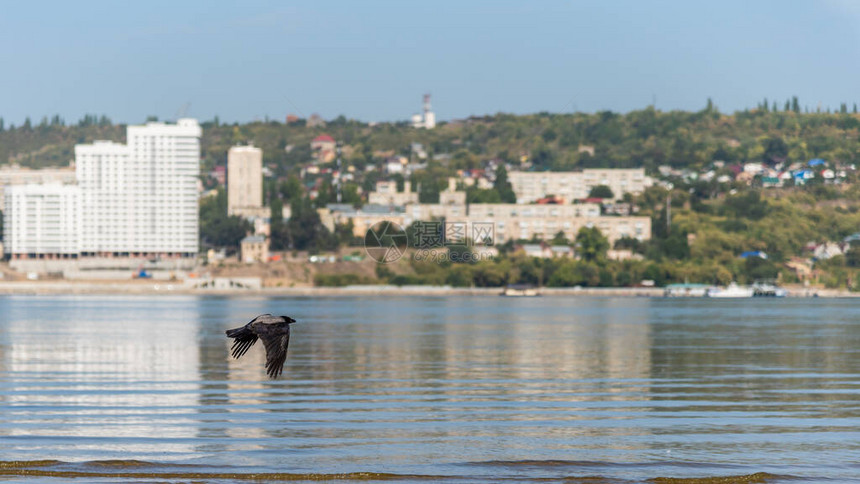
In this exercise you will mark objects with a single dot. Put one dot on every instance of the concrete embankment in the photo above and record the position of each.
(150, 287)
(160, 287)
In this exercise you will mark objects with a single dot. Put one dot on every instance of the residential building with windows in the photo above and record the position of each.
(386, 194)
(254, 248)
(140, 199)
(41, 221)
(509, 221)
(18, 175)
(244, 181)
(530, 186)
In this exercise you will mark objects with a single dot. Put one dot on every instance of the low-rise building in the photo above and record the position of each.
(499, 221)
(564, 251)
(254, 248)
(827, 250)
(535, 250)
(451, 196)
(395, 165)
(324, 148)
(386, 194)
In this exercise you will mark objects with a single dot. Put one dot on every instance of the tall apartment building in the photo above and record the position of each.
(244, 180)
(140, 199)
(103, 172)
(531, 186)
(41, 221)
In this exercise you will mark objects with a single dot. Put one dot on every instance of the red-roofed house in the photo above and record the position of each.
(323, 147)
(323, 142)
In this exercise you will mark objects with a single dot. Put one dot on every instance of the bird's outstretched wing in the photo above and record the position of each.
(276, 353)
(244, 338)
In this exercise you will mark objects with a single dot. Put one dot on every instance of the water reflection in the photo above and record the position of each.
(407, 384)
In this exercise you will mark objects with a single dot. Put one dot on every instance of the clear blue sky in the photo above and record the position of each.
(373, 60)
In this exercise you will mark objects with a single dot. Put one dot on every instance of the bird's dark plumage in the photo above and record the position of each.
(275, 333)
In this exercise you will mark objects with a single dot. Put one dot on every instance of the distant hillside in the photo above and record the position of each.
(646, 138)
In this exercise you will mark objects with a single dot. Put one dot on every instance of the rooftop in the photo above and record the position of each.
(324, 138)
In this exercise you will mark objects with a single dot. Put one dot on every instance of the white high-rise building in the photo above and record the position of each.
(141, 198)
(102, 170)
(41, 221)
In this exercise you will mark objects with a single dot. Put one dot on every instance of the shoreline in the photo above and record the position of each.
(112, 288)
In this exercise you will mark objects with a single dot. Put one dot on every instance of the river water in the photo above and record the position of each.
(454, 389)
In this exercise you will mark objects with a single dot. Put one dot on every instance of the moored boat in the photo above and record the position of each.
(520, 290)
(731, 291)
(769, 290)
(686, 290)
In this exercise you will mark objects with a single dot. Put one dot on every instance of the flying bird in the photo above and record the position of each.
(275, 333)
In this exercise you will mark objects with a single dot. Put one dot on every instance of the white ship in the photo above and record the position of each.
(731, 291)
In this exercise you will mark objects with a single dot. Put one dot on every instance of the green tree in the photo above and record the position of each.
(305, 230)
(217, 229)
(655, 273)
(350, 194)
(459, 276)
(278, 237)
(630, 243)
(344, 236)
(675, 246)
(489, 275)
(591, 244)
(476, 195)
(758, 269)
(503, 186)
(601, 191)
(605, 277)
(852, 255)
(559, 239)
(575, 273)
(775, 149)
(325, 195)
(291, 189)
(461, 254)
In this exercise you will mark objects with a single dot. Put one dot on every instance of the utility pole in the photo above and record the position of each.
(669, 213)
(339, 174)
